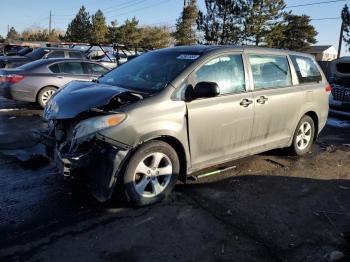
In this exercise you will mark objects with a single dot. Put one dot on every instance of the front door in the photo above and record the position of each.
(220, 127)
(73, 71)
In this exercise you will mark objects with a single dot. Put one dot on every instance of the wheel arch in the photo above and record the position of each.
(314, 118)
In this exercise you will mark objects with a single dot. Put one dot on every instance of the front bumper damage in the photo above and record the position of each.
(99, 167)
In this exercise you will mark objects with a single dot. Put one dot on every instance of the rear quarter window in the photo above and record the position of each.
(306, 69)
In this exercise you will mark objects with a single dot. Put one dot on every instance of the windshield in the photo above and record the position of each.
(150, 72)
(37, 54)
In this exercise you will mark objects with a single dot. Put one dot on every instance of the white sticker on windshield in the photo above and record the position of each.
(188, 57)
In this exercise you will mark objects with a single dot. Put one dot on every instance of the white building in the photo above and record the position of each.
(323, 52)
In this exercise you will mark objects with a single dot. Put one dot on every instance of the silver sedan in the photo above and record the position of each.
(37, 81)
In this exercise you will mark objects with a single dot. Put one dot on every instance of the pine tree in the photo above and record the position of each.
(99, 28)
(221, 22)
(294, 33)
(185, 27)
(130, 34)
(156, 37)
(260, 16)
(113, 32)
(79, 29)
(345, 15)
(12, 34)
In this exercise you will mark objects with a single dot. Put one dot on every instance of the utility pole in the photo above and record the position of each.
(340, 38)
(8, 29)
(50, 20)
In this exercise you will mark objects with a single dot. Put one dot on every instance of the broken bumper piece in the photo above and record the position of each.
(99, 167)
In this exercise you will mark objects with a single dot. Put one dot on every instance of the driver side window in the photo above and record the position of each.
(226, 70)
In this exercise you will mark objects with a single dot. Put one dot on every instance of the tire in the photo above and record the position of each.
(45, 94)
(303, 136)
(142, 183)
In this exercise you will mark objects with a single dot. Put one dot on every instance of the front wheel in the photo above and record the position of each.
(151, 173)
(303, 136)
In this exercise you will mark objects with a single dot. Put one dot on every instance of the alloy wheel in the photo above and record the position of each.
(45, 97)
(153, 174)
(304, 136)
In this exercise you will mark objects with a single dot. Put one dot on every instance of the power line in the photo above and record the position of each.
(326, 18)
(317, 3)
(140, 9)
(120, 6)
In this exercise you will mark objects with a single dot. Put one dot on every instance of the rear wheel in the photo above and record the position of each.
(151, 173)
(45, 95)
(303, 136)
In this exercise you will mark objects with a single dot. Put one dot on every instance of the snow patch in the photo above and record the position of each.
(338, 123)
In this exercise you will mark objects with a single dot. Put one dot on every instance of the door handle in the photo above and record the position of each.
(246, 102)
(60, 77)
(262, 100)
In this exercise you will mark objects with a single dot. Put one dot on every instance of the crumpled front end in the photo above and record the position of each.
(73, 140)
(98, 165)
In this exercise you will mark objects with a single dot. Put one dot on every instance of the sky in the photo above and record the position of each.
(28, 13)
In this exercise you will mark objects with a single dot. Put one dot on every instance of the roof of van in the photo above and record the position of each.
(209, 48)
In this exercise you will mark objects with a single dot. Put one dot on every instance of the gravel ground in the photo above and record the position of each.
(270, 207)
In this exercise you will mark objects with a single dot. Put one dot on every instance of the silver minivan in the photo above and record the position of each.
(168, 113)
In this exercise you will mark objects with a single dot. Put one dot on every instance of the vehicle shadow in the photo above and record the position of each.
(292, 218)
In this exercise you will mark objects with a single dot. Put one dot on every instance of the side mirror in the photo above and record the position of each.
(206, 90)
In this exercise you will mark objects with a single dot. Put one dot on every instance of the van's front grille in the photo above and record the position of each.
(341, 94)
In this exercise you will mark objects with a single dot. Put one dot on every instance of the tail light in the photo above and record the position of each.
(13, 79)
(328, 88)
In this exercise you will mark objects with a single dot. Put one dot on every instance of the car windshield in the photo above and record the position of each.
(150, 72)
(37, 54)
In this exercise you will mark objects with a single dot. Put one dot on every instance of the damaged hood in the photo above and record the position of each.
(77, 97)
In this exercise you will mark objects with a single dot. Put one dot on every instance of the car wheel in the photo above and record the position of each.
(151, 173)
(45, 95)
(303, 136)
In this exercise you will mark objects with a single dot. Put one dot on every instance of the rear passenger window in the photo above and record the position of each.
(74, 68)
(75, 55)
(227, 71)
(56, 54)
(55, 69)
(306, 69)
(270, 71)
